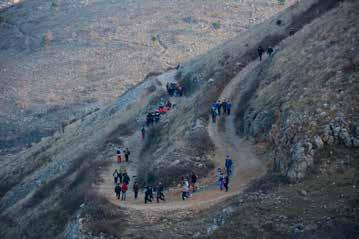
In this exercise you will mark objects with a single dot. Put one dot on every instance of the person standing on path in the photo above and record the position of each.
(124, 189)
(143, 131)
(115, 176)
(118, 191)
(270, 52)
(118, 154)
(224, 106)
(159, 191)
(185, 190)
(125, 178)
(226, 182)
(214, 112)
(194, 181)
(219, 107)
(148, 194)
(127, 154)
(228, 164)
(221, 180)
(136, 188)
(229, 106)
(260, 52)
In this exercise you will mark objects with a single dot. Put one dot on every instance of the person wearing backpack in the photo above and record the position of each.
(118, 191)
(115, 176)
(124, 189)
(260, 51)
(118, 154)
(125, 178)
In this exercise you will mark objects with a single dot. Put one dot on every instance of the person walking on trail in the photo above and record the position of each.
(224, 106)
(221, 180)
(214, 112)
(260, 51)
(124, 189)
(136, 188)
(127, 154)
(148, 194)
(118, 191)
(185, 190)
(228, 164)
(143, 132)
(270, 52)
(219, 107)
(118, 154)
(229, 107)
(115, 176)
(159, 192)
(226, 182)
(125, 178)
(194, 181)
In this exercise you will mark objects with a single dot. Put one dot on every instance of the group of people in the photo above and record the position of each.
(121, 181)
(175, 89)
(158, 189)
(154, 117)
(189, 183)
(219, 108)
(261, 51)
(126, 152)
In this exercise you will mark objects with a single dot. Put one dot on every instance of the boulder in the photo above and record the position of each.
(318, 142)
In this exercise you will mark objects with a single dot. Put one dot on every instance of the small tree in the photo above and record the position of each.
(216, 25)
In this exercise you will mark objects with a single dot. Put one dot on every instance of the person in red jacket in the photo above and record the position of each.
(124, 189)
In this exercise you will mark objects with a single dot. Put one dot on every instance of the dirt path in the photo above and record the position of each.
(246, 165)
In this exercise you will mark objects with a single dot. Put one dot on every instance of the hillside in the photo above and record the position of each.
(61, 59)
(293, 136)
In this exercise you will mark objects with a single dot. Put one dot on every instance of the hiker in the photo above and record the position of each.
(143, 132)
(159, 192)
(270, 52)
(226, 182)
(214, 111)
(136, 188)
(118, 153)
(260, 51)
(178, 66)
(168, 104)
(118, 191)
(228, 164)
(229, 106)
(224, 106)
(168, 88)
(124, 188)
(115, 176)
(194, 181)
(127, 154)
(148, 194)
(120, 175)
(126, 178)
(219, 107)
(185, 190)
(221, 180)
(149, 119)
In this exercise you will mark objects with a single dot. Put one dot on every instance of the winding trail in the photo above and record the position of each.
(247, 166)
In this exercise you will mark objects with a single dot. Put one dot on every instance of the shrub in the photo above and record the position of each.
(216, 25)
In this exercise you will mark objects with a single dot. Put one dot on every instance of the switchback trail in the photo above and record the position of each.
(246, 165)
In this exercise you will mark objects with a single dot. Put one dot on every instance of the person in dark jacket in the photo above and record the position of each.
(136, 188)
(125, 178)
(127, 154)
(219, 107)
(228, 164)
(226, 182)
(159, 193)
(143, 132)
(260, 52)
(224, 106)
(229, 107)
(270, 52)
(118, 191)
(194, 181)
(148, 194)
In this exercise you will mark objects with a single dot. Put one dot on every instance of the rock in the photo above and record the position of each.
(318, 142)
(345, 137)
(355, 142)
(303, 193)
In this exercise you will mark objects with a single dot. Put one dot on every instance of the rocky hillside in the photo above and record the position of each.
(299, 110)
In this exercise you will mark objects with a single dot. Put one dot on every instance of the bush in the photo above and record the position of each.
(216, 25)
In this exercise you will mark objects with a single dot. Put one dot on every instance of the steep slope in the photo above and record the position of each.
(51, 189)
